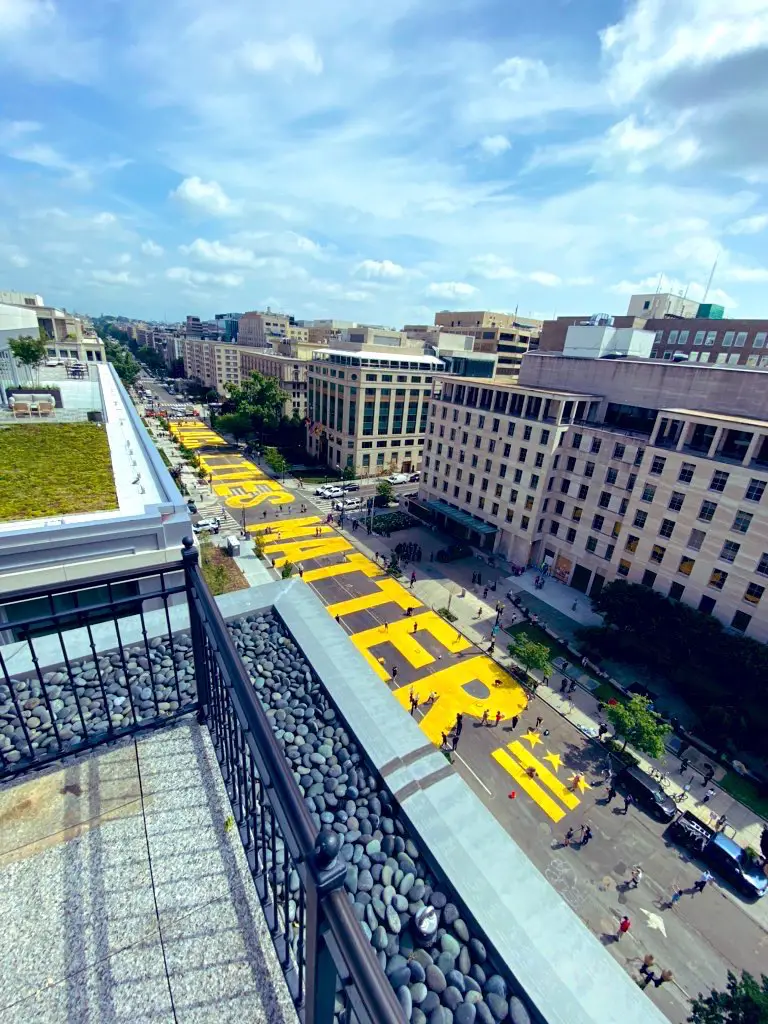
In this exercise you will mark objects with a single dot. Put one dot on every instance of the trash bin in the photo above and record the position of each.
(233, 546)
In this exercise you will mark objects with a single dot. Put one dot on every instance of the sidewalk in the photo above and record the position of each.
(580, 708)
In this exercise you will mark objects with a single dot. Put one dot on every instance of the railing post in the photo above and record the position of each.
(190, 556)
(327, 873)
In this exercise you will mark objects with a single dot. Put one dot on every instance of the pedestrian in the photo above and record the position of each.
(675, 897)
(479, 613)
(572, 687)
(515, 720)
(385, 626)
(586, 836)
(627, 803)
(635, 878)
(602, 730)
(408, 611)
(720, 824)
(574, 783)
(484, 719)
(531, 772)
(455, 740)
(709, 774)
(444, 741)
(574, 606)
(624, 925)
(413, 579)
(491, 646)
(646, 967)
(474, 578)
(485, 591)
(664, 976)
(377, 557)
(684, 762)
(708, 796)
(539, 720)
(459, 723)
(564, 685)
(568, 837)
(499, 717)
(611, 792)
(394, 673)
(584, 661)
(415, 627)
(338, 619)
(701, 883)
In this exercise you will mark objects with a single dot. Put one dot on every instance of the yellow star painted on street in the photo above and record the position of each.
(533, 737)
(579, 782)
(554, 759)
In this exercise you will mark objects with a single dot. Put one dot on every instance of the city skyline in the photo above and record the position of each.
(381, 165)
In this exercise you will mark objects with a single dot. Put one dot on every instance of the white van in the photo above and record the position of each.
(399, 478)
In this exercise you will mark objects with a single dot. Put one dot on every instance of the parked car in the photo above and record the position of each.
(348, 504)
(320, 491)
(722, 854)
(646, 792)
(206, 526)
(191, 506)
(399, 478)
(333, 492)
(351, 485)
(452, 552)
(414, 478)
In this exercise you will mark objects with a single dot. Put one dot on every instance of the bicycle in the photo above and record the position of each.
(660, 776)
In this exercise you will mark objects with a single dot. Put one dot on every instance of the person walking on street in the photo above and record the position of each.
(611, 792)
(413, 579)
(564, 685)
(674, 898)
(572, 687)
(515, 720)
(484, 719)
(499, 717)
(586, 835)
(539, 720)
(415, 627)
(568, 837)
(454, 740)
(709, 774)
(485, 591)
(459, 723)
(636, 877)
(701, 883)
(664, 976)
(684, 762)
(627, 803)
(708, 795)
(491, 646)
(624, 925)
(646, 967)
(394, 673)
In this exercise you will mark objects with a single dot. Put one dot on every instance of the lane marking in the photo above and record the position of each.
(536, 793)
(545, 776)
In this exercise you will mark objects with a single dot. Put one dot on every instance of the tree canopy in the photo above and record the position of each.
(28, 351)
(151, 359)
(276, 462)
(695, 654)
(530, 654)
(637, 724)
(125, 365)
(745, 1001)
(236, 423)
(259, 397)
(385, 490)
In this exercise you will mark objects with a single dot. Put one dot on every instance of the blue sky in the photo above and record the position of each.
(379, 161)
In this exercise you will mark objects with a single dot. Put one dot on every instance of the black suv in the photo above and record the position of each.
(646, 792)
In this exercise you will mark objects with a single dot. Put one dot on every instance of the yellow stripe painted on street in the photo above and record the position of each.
(388, 591)
(287, 531)
(306, 521)
(535, 792)
(545, 776)
(301, 550)
(354, 563)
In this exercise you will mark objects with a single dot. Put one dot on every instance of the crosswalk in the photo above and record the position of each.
(212, 508)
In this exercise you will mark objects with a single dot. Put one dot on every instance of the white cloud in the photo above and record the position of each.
(515, 73)
(385, 269)
(297, 52)
(207, 196)
(195, 277)
(695, 290)
(218, 252)
(104, 220)
(492, 268)
(450, 290)
(749, 225)
(116, 277)
(124, 258)
(494, 145)
(150, 248)
(543, 277)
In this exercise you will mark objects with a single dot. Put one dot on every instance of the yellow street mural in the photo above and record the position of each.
(470, 686)
(239, 483)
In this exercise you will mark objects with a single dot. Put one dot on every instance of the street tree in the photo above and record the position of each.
(385, 490)
(639, 725)
(124, 363)
(530, 654)
(238, 424)
(348, 473)
(276, 462)
(259, 397)
(745, 1001)
(30, 352)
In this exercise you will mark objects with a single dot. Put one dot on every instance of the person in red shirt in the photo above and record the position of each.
(624, 925)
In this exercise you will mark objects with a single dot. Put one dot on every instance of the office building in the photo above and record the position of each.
(291, 373)
(368, 408)
(604, 469)
(228, 325)
(508, 335)
(260, 330)
(657, 305)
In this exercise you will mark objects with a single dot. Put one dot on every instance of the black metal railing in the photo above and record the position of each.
(328, 963)
(63, 691)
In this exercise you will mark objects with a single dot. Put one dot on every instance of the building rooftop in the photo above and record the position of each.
(380, 354)
(742, 421)
(500, 382)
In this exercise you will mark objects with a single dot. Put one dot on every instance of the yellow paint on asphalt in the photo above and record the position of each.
(544, 776)
(388, 591)
(300, 550)
(534, 791)
(287, 531)
(355, 562)
(453, 697)
(275, 524)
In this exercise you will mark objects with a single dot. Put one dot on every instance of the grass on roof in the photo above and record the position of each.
(54, 469)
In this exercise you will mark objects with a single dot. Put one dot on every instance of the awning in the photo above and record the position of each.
(462, 518)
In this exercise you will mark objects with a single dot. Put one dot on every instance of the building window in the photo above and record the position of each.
(741, 521)
(623, 505)
(534, 481)
(729, 551)
(666, 528)
(544, 437)
(676, 591)
(559, 507)
(518, 476)
(608, 553)
(564, 486)
(508, 516)
(597, 523)
(524, 522)
(618, 451)
(728, 338)
(719, 480)
(591, 544)
(759, 341)
(610, 476)
(741, 339)
(529, 502)
(762, 565)
(481, 502)
(657, 465)
(695, 540)
(527, 434)
(554, 526)
(589, 469)
(577, 513)
(648, 493)
(522, 455)
(740, 622)
(707, 511)
(755, 490)
(596, 445)
(649, 578)
(707, 605)
(686, 565)
(605, 499)
(676, 501)
(717, 579)
(657, 553)
(640, 518)
(570, 464)
(753, 593)
(570, 535)
(576, 441)
(686, 472)
(495, 508)
(583, 492)
(539, 461)
(698, 338)
(631, 544)
(623, 567)
(710, 338)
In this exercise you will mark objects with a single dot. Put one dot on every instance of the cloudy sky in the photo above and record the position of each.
(377, 161)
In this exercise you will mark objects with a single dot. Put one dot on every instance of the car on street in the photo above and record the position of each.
(722, 854)
(348, 504)
(646, 792)
(414, 478)
(399, 478)
(351, 485)
(333, 492)
(191, 506)
(211, 525)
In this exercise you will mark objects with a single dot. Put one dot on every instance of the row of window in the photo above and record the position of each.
(495, 426)
(754, 491)
(737, 339)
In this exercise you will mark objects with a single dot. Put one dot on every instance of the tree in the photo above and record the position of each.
(275, 461)
(638, 724)
(385, 490)
(348, 473)
(531, 654)
(236, 423)
(151, 359)
(745, 1001)
(125, 365)
(259, 397)
(28, 351)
